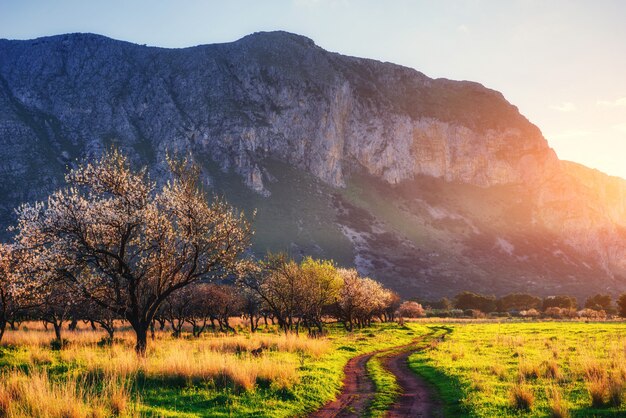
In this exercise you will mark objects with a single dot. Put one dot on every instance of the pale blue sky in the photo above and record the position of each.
(563, 63)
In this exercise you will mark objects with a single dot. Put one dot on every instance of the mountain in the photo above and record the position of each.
(429, 185)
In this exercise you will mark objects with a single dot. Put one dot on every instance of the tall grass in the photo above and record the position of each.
(262, 374)
(557, 406)
(225, 361)
(34, 394)
(522, 397)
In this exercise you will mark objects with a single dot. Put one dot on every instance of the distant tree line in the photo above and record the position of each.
(523, 304)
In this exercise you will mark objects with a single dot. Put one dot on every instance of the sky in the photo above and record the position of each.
(562, 63)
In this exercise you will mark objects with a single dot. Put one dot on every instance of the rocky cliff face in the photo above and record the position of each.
(278, 97)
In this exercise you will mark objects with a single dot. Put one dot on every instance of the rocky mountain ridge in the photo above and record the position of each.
(278, 97)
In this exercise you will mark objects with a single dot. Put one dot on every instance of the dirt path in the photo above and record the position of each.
(417, 398)
(356, 394)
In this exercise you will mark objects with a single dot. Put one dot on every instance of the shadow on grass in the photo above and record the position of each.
(208, 402)
(448, 388)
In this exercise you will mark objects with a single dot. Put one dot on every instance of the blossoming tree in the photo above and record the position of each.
(126, 245)
(9, 286)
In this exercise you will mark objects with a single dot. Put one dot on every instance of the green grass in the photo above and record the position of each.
(473, 368)
(476, 367)
(387, 389)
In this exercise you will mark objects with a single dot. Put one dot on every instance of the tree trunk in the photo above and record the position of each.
(161, 324)
(57, 330)
(3, 326)
(141, 330)
(227, 325)
(109, 328)
(198, 329)
(177, 327)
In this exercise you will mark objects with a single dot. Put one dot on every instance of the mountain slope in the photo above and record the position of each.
(429, 185)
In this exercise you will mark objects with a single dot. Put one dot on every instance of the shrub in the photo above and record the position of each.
(553, 312)
(592, 314)
(410, 309)
(473, 313)
(570, 313)
(530, 313)
(558, 313)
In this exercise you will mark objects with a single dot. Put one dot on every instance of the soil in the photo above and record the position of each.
(416, 400)
(358, 390)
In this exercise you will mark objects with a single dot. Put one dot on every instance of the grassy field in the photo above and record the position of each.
(480, 369)
(215, 375)
(534, 369)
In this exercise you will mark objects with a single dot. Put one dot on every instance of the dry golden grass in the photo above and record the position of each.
(551, 370)
(290, 343)
(35, 395)
(227, 359)
(556, 404)
(101, 377)
(222, 359)
(522, 398)
(527, 370)
(499, 371)
(39, 356)
(40, 337)
(597, 389)
(615, 389)
(479, 384)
